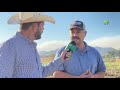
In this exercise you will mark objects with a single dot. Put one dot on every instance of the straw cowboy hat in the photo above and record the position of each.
(26, 17)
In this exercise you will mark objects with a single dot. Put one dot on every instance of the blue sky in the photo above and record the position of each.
(57, 35)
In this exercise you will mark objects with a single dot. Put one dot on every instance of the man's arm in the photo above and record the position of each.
(7, 60)
(87, 74)
(99, 75)
(101, 67)
(53, 66)
(61, 74)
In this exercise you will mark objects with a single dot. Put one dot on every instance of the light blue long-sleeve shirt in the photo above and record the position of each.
(19, 59)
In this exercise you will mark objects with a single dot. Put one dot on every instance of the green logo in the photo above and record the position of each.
(106, 22)
(72, 47)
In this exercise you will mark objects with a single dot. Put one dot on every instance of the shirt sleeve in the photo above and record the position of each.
(101, 65)
(61, 67)
(53, 66)
(7, 58)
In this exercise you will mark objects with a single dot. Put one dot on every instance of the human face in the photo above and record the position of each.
(40, 28)
(77, 35)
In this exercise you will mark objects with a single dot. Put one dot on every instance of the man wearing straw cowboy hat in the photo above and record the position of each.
(18, 55)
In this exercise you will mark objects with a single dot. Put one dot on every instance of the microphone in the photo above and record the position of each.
(71, 47)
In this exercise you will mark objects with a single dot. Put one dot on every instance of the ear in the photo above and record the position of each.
(70, 33)
(85, 33)
(34, 27)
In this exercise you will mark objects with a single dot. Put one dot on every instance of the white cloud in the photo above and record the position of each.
(51, 45)
(113, 42)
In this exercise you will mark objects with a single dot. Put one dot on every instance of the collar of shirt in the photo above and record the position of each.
(87, 48)
(18, 34)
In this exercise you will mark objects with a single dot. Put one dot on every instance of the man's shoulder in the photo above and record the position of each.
(93, 49)
(9, 42)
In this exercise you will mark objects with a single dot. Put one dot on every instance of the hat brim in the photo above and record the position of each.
(15, 19)
(75, 27)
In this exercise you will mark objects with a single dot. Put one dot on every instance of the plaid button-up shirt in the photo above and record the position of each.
(19, 59)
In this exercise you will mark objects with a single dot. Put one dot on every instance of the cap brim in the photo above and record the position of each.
(75, 27)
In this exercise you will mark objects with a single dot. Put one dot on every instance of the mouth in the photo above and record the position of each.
(76, 38)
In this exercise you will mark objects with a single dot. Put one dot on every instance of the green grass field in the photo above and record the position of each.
(112, 66)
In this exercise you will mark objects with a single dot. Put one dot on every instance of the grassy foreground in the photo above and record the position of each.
(113, 69)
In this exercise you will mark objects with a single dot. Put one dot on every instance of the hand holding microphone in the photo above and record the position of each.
(70, 48)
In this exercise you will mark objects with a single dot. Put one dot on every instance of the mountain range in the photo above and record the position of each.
(102, 51)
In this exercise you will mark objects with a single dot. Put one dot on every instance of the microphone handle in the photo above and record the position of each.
(66, 53)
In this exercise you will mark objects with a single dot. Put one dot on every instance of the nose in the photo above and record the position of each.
(74, 34)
